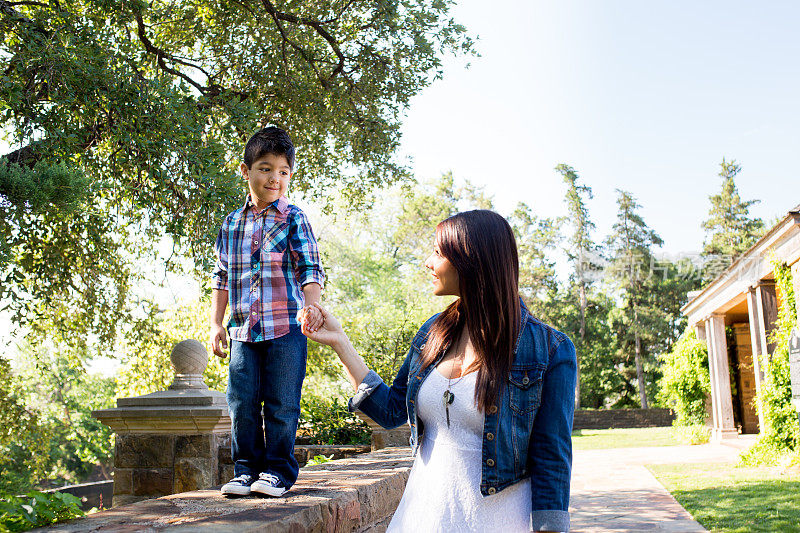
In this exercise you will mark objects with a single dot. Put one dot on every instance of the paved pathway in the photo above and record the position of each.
(613, 491)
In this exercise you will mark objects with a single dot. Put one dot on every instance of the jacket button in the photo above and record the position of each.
(490, 436)
(525, 380)
(491, 490)
(492, 409)
(490, 462)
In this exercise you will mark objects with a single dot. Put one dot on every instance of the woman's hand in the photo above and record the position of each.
(332, 334)
(329, 333)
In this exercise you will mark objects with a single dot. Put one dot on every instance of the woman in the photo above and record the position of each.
(488, 391)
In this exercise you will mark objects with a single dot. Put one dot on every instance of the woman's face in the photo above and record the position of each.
(445, 276)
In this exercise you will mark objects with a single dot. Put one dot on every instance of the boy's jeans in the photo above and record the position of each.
(269, 372)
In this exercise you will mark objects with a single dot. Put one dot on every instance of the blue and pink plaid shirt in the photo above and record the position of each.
(263, 259)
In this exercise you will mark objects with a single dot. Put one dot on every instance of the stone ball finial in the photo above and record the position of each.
(189, 358)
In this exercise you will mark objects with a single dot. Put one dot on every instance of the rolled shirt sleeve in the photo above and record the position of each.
(219, 277)
(370, 382)
(305, 255)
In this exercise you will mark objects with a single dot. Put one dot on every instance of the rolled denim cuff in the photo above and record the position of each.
(370, 382)
(550, 520)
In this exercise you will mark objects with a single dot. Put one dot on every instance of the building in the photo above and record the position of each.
(743, 297)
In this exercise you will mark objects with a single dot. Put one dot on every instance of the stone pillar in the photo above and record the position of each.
(168, 441)
(721, 400)
(755, 341)
(700, 330)
(767, 307)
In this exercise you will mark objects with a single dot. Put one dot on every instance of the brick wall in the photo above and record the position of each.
(622, 418)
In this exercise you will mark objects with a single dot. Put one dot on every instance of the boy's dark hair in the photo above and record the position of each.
(270, 140)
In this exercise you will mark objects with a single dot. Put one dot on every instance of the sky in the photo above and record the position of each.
(646, 97)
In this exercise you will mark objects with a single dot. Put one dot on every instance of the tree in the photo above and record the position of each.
(127, 121)
(536, 238)
(730, 230)
(579, 253)
(603, 381)
(630, 245)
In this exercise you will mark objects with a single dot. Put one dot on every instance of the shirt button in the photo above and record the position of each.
(255, 242)
(490, 462)
(254, 314)
(492, 490)
(492, 409)
(490, 436)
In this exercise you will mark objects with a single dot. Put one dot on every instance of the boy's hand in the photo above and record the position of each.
(311, 318)
(219, 341)
(330, 331)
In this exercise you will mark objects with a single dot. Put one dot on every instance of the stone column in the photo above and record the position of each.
(700, 330)
(168, 441)
(721, 400)
(755, 341)
(767, 307)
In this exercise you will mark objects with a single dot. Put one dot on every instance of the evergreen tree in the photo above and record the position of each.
(730, 230)
(537, 238)
(630, 248)
(580, 251)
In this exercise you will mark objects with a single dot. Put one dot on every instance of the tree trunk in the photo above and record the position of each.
(638, 357)
(582, 335)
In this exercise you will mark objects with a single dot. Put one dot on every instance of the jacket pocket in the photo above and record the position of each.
(525, 388)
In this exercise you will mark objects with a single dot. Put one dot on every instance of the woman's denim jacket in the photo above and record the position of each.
(528, 432)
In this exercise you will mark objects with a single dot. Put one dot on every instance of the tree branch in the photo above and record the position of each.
(321, 31)
(161, 55)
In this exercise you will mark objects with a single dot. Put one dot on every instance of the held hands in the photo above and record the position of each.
(219, 341)
(319, 325)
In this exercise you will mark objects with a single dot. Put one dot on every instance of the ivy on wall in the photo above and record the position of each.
(780, 431)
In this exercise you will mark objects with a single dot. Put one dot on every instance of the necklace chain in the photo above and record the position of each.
(448, 397)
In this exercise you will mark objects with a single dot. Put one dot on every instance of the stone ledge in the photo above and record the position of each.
(357, 494)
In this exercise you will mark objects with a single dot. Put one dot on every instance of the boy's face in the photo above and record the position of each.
(268, 179)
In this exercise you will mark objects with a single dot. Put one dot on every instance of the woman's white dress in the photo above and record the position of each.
(443, 490)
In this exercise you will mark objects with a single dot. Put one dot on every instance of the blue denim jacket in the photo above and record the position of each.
(528, 432)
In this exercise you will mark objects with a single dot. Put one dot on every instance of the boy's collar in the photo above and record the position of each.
(281, 204)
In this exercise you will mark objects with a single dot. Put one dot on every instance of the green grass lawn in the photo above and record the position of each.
(725, 498)
(597, 439)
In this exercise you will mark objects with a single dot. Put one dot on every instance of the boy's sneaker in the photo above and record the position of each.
(238, 486)
(269, 485)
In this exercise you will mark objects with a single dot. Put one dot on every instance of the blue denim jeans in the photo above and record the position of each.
(264, 382)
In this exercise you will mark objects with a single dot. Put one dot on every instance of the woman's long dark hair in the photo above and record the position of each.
(481, 246)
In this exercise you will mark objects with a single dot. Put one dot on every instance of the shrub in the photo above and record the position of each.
(37, 509)
(329, 422)
(693, 434)
(685, 382)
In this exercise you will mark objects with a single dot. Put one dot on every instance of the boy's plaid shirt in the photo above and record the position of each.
(263, 259)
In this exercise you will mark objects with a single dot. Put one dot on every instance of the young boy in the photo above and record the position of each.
(268, 265)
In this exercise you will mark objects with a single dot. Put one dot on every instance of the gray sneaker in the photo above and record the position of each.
(238, 486)
(269, 485)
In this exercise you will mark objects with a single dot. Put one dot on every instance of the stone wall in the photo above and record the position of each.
(151, 465)
(622, 418)
(359, 494)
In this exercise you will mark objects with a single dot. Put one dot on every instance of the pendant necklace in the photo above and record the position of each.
(448, 396)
